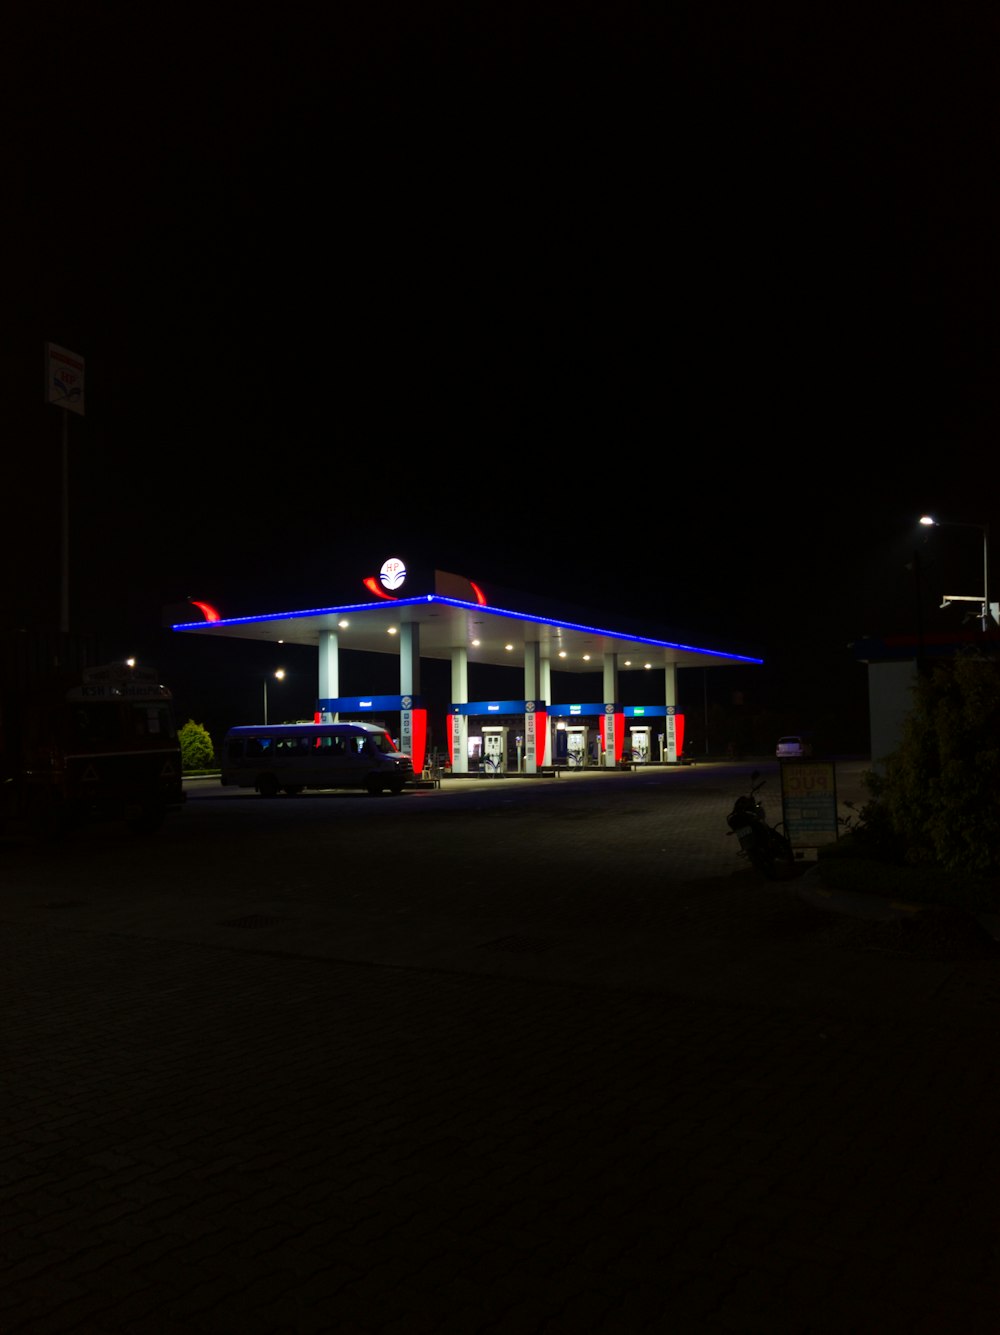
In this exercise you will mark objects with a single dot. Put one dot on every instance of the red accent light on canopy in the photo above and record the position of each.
(208, 611)
(480, 596)
(373, 586)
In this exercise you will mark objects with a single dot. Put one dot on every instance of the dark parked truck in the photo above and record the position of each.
(85, 742)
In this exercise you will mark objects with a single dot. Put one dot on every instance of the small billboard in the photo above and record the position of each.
(809, 802)
(64, 378)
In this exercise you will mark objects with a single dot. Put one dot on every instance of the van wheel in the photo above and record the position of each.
(267, 786)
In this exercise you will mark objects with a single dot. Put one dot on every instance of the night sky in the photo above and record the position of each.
(681, 312)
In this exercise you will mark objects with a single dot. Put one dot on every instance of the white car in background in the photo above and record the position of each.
(790, 747)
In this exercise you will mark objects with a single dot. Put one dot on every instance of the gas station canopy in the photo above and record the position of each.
(492, 636)
(456, 623)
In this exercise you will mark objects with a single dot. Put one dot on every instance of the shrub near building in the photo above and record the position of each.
(930, 831)
(197, 751)
(941, 788)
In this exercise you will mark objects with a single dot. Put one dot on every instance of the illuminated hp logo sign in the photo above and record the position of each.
(392, 574)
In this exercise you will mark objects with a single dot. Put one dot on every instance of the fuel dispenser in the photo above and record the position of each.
(495, 748)
(642, 746)
(576, 746)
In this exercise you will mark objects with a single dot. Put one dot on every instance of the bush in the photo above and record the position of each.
(871, 833)
(937, 803)
(849, 866)
(197, 751)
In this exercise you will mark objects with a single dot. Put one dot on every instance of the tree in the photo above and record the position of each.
(197, 751)
(940, 793)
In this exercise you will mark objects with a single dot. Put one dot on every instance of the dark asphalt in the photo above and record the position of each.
(511, 1056)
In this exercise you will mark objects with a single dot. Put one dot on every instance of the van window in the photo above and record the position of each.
(292, 746)
(331, 748)
(258, 746)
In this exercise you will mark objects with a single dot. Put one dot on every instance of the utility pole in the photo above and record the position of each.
(64, 387)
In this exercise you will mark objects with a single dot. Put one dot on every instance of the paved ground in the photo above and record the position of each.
(515, 1056)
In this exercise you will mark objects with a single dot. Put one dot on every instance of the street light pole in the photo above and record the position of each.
(930, 522)
(64, 581)
(279, 674)
(987, 614)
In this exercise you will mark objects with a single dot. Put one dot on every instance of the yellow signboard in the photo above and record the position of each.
(809, 802)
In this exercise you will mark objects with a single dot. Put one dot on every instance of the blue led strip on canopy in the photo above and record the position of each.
(478, 608)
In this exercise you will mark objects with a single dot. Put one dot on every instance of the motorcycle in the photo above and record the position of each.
(767, 849)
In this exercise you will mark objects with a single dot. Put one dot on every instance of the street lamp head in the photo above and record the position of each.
(986, 616)
(930, 522)
(280, 674)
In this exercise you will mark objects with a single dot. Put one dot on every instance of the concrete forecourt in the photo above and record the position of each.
(496, 1056)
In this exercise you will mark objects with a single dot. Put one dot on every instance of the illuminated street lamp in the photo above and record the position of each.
(987, 616)
(279, 676)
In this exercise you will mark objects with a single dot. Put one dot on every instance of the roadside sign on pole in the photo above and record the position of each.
(64, 378)
(809, 802)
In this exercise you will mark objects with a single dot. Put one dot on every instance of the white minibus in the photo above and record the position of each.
(288, 757)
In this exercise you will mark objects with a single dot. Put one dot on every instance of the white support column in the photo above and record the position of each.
(532, 681)
(409, 681)
(460, 722)
(409, 659)
(671, 684)
(670, 731)
(610, 697)
(328, 683)
(545, 693)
